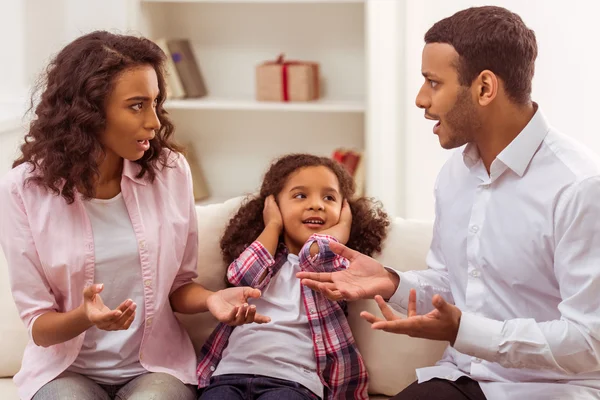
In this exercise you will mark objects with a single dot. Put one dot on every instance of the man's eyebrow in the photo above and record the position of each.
(430, 75)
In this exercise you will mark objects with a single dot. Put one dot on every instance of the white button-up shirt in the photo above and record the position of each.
(518, 251)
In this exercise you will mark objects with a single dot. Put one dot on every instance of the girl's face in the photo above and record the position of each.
(310, 202)
(131, 120)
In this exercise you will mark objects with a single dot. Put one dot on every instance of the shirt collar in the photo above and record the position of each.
(131, 170)
(519, 153)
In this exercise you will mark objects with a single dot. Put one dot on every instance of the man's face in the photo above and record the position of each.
(445, 100)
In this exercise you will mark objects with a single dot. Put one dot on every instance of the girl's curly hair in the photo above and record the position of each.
(63, 140)
(369, 220)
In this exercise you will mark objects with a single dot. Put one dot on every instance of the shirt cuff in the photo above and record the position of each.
(479, 336)
(399, 300)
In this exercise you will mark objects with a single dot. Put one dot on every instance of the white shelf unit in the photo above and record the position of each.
(212, 103)
(235, 137)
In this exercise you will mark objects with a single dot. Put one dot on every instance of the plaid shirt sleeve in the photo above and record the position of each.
(341, 366)
(254, 267)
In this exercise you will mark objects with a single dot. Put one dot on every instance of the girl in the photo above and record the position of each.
(98, 226)
(308, 351)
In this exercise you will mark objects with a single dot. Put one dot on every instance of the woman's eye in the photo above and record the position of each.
(137, 107)
(155, 103)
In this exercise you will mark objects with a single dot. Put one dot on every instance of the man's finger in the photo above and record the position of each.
(385, 309)
(370, 318)
(412, 303)
(439, 303)
(343, 251)
(333, 295)
(314, 276)
(405, 326)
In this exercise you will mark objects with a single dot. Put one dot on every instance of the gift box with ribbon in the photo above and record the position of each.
(284, 80)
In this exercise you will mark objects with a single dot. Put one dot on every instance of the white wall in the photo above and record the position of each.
(12, 78)
(564, 85)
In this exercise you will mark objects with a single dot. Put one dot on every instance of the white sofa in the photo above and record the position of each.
(391, 359)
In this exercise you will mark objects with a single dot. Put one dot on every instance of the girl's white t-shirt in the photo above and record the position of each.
(282, 348)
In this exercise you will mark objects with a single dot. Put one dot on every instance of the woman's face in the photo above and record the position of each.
(131, 120)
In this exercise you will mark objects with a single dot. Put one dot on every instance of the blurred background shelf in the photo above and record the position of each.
(211, 103)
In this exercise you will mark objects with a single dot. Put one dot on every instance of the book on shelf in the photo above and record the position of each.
(174, 86)
(201, 190)
(353, 162)
(187, 67)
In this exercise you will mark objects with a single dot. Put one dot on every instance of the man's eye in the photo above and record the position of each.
(432, 83)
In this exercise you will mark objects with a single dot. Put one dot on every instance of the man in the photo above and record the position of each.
(514, 266)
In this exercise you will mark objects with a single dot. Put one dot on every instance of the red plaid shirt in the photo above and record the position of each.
(339, 363)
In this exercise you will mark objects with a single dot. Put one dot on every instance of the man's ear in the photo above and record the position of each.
(486, 86)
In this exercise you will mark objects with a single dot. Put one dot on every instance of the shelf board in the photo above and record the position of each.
(257, 1)
(209, 103)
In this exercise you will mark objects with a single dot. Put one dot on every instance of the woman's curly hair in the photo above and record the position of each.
(63, 140)
(369, 220)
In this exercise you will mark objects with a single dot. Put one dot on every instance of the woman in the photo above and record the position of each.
(98, 226)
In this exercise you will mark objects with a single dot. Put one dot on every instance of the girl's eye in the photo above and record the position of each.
(137, 107)
(330, 198)
(299, 196)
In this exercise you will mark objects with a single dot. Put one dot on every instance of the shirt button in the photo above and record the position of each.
(142, 244)
(212, 368)
(312, 311)
(149, 321)
(474, 228)
(475, 273)
(141, 356)
(147, 282)
(477, 360)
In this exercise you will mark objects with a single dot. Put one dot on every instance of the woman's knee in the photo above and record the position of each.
(70, 385)
(156, 386)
